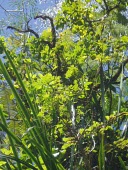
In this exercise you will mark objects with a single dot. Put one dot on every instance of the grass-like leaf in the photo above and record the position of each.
(101, 157)
(123, 167)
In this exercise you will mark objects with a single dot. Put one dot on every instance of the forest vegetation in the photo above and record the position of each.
(69, 89)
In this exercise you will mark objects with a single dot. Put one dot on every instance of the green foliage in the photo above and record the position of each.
(67, 94)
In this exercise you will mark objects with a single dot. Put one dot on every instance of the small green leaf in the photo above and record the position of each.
(2, 163)
(66, 145)
(68, 139)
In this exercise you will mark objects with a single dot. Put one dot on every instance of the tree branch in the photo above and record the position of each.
(117, 74)
(52, 44)
(125, 78)
(106, 5)
(114, 78)
(108, 10)
(24, 31)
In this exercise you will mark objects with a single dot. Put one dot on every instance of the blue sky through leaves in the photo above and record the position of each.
(17, 12)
